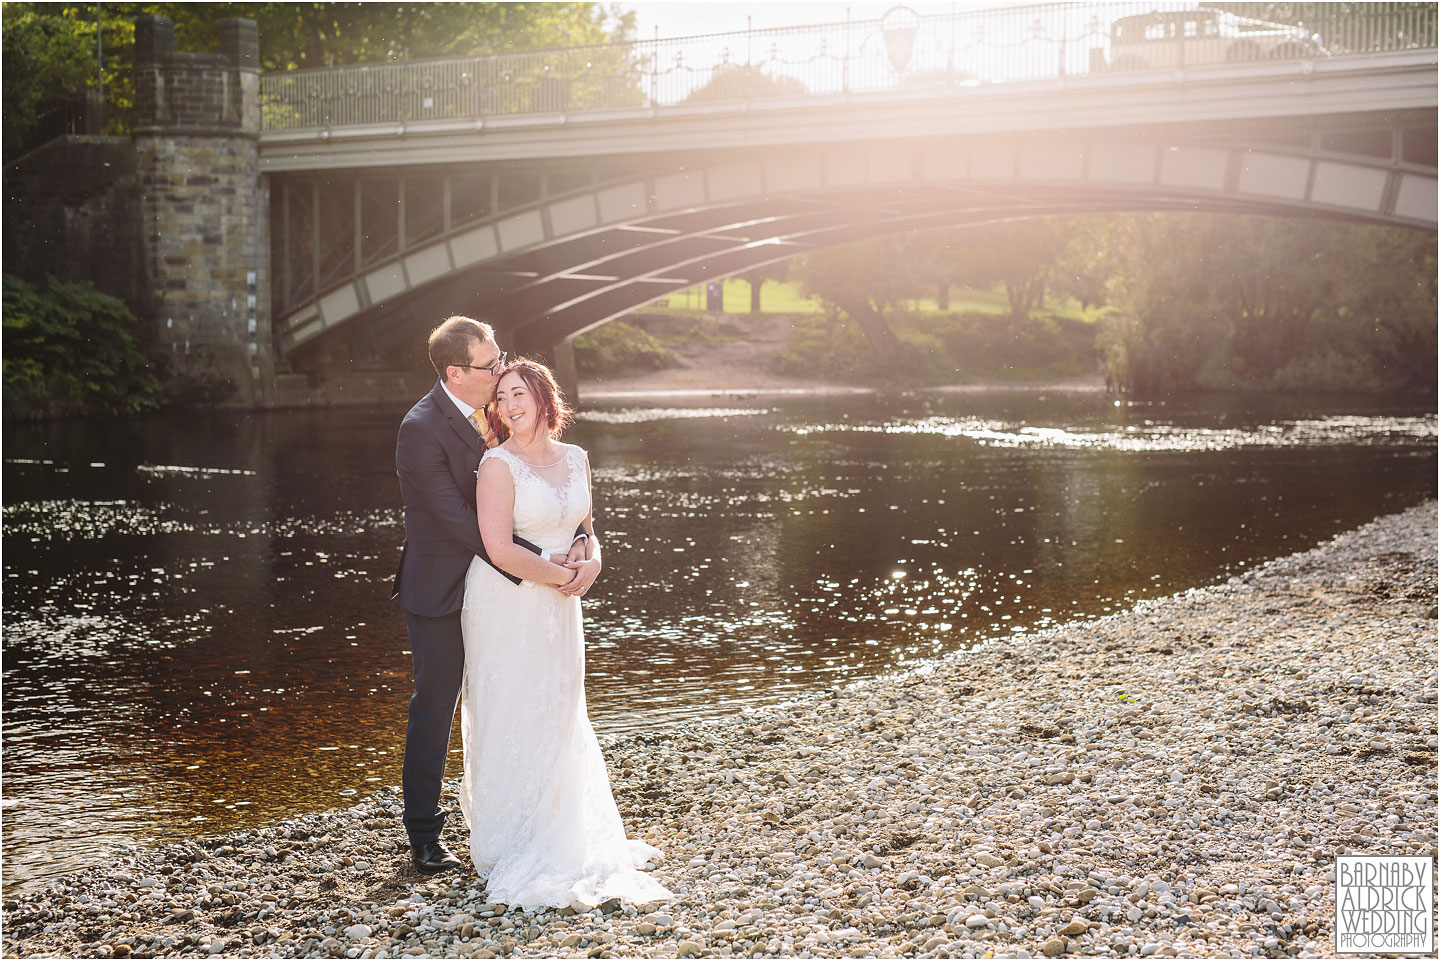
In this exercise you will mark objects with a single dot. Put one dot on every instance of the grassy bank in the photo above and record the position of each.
(784, 297)
(794, 337)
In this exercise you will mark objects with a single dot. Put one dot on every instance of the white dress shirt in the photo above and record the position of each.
(465, 408)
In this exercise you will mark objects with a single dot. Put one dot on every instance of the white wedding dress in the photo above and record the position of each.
(544, 829)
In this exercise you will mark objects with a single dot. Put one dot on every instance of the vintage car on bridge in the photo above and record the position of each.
(1203, 35)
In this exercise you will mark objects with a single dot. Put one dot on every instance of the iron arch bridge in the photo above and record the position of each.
(550, 197)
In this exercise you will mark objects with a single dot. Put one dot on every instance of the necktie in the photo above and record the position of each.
(482, 424)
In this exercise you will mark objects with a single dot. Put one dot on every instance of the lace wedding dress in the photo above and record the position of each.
(544, 829)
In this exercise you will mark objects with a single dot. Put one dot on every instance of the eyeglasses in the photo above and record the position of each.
(490, 369)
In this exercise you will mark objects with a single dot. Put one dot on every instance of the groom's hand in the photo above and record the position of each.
(585, 574)
(576, 555)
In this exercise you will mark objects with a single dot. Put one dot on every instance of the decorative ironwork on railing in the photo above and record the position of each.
(900, 50)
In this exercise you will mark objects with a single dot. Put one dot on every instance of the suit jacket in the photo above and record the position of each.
(436, 456)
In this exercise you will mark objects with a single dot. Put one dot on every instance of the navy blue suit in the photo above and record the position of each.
(436, 456)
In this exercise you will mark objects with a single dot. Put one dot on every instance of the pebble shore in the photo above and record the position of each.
(1173, 781)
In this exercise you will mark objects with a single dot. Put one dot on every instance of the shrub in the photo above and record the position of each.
(825, 348)
(617, 349)
(1324, 368)
(680, 330)
(996, 345)
(70, 349)
(962, 346)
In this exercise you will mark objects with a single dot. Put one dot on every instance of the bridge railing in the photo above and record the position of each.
(899, 51)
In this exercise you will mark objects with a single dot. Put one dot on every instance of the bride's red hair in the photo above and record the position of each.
(554, 411)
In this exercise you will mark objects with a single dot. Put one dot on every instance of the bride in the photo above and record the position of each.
(544, 829)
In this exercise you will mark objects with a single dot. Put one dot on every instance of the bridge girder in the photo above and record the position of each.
(563, 264)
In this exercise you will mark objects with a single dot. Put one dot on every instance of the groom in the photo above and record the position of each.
(436, 456)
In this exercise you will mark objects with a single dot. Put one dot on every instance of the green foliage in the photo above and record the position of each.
(70, 349)
(1196, 302)
(49, 49)
(785, 297)
(1226, 302)
(863, 281)
(780, 297)
(1082, 270)
(682, 330)
(869, 281)
(1021, 254)
(871, 275)
(299, 35)
(964, 346)
(824, 347)
(1038, 345)
(645, 342)
(65, 58)
(618, 349)
(746, 82)
(759, 277)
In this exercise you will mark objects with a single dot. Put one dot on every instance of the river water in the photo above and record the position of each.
(198, 634)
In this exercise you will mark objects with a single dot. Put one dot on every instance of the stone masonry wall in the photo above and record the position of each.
(205, 211)
(72, 211)
(205, 208)
(191, 90)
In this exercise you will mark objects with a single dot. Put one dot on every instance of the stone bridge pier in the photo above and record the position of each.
(204, 209)
(206, 214)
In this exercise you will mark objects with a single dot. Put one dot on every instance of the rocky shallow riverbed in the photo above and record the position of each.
(1171, 781)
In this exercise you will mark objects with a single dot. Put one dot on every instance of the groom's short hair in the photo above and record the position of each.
(449, 344)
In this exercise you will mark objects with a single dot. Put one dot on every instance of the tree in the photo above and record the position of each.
(299, 35)
(1222, 301)
(1084, 267)
(50, 57)
(863, 280)
(746, 82)
(50, 49)
(758, 277)
(1021, 254)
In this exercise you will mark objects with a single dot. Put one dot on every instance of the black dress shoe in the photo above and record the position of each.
(431, 857)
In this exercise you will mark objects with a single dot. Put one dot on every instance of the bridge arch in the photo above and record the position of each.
(570, 262)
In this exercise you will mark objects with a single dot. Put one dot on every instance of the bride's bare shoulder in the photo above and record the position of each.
(495, 463)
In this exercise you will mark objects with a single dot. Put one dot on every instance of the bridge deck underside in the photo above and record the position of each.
(559, 287)
(541, 296)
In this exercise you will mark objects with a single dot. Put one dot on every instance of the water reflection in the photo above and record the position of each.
(198, 634)
(1151, 436)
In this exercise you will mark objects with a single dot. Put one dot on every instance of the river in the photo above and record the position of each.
(198, 634)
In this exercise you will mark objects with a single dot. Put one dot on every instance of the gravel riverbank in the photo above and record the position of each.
(1171, 781)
